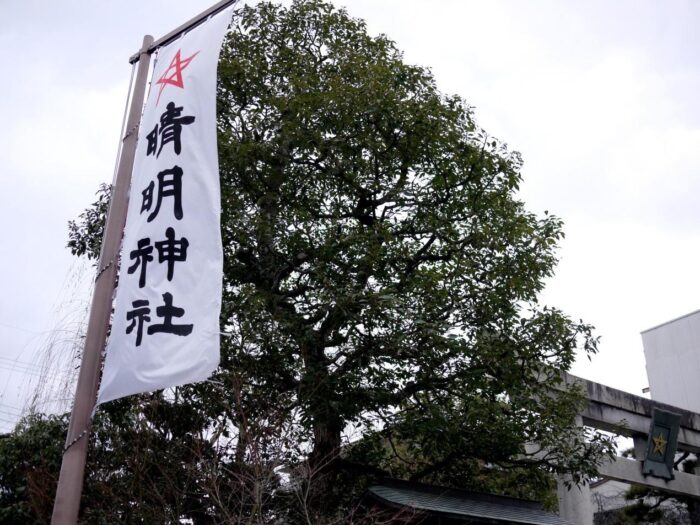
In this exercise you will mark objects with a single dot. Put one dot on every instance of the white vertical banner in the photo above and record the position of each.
(165, 327)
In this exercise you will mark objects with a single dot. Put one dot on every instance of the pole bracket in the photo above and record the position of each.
(104, 269)
(75, 440)
(130, 132)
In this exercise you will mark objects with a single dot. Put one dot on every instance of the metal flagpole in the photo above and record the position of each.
(190, 24)
(70, 481)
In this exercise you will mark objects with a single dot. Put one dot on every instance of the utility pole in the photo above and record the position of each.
(70, 481)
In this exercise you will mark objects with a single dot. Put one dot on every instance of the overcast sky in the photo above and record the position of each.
(599, 97)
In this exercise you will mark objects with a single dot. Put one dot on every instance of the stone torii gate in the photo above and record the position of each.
(610, 409)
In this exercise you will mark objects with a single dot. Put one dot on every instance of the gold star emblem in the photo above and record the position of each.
(659, 444)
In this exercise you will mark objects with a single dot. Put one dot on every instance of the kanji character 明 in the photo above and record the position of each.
(169, 185)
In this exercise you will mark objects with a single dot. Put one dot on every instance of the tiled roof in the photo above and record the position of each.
(464, 504)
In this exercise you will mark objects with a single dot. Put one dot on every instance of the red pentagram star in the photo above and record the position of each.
(175, 78)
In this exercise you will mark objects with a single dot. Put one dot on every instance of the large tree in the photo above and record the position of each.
(381, 276)
(378, 261)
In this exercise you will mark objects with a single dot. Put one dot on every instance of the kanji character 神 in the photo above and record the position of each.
(172, 250)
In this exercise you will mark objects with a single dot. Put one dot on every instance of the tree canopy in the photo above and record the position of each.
(381, 283)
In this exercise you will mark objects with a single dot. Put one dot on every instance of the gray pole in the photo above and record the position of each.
(70, 481)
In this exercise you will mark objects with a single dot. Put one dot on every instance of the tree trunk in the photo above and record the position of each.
(327, 425)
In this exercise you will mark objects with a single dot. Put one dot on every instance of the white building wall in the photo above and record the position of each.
(608, 494)
(672, 352)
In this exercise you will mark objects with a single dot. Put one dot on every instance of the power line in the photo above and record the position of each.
(10, 408)
(23, 363)
(16, 365)
(36, 332)
(9, 421)
(20, 369)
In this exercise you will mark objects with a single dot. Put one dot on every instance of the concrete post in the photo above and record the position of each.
(640, 448)
(70, 482)
(575, 504)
